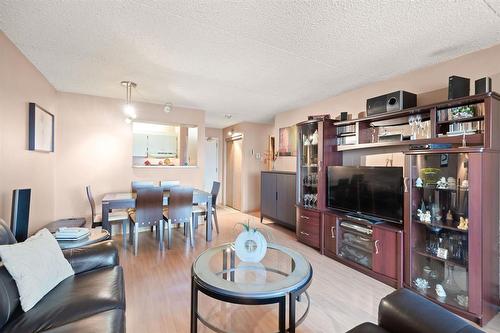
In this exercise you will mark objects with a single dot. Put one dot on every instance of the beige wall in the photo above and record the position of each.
(93, 144)
(20, 84)
(255, 140)
(95, 148)
(429, 83)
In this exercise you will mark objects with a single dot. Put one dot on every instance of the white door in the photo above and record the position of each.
(211, 162)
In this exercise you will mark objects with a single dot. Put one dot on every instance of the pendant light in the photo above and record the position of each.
(128, 108)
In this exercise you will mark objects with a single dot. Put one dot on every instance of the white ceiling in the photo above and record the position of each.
(248, 58)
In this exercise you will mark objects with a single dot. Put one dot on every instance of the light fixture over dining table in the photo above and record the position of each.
(128, 108)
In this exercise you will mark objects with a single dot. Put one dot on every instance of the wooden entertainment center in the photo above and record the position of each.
(447, 246)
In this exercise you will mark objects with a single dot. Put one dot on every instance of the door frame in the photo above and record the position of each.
(226, 141)
(217, 143)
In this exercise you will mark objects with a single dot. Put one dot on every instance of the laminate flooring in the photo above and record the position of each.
(158, 287)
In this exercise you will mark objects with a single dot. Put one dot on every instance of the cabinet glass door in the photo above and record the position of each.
(439, 227)
(308, 159)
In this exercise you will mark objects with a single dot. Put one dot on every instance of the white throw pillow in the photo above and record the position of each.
(37, 265)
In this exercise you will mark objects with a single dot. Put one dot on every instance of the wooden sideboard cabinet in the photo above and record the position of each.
(277, 195)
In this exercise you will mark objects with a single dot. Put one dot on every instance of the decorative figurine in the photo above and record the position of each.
(449, 216)
(419, 182)
(440, 291)
(424, 217)
(315, 138)
(463, 300)
(421, 284)
(452, 183)
(436, 212)
(427, 217)
(464, 224)
(465, 184)
(442, 184)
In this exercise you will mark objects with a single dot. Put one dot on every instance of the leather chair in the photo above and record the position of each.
(148, 213)
(202, 210)
(408, 312)
(93, 300)
(180, 210)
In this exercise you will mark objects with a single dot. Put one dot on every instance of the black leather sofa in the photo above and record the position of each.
(408, 312)
(93, 300)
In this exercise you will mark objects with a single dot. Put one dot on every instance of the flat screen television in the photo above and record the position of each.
(375, 192)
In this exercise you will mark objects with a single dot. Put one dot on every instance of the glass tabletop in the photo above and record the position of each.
(281, 271)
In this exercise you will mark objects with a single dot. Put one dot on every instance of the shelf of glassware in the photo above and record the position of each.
(440, 239)
(308, 159)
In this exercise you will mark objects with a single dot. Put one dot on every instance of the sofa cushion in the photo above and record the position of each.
(367, 328)
(37, 265)
(75, 298)
(109, 321)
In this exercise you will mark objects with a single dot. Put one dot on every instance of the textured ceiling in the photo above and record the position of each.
(248, 58)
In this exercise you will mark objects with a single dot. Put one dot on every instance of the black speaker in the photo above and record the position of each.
(483, 85)
(344, 116)
(20, 214)
(391, 102)
(458, 87)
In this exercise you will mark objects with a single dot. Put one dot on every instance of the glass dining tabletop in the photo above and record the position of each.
(281, 271)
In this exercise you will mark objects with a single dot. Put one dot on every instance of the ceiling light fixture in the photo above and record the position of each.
(228, 116)
(167, 108)
(128, 108)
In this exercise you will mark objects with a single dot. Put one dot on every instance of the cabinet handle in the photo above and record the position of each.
(405, 183)
(304, 233)
(304, 217)
(333, 232)
(376, 246)
(276, 196)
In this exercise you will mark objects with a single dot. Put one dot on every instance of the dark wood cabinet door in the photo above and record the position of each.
(330, 234)
(385, 251)
(268, 194)
(285, 203)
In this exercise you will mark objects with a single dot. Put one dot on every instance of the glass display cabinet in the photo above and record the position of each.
(308, 168)
(316, 139)
(444, 228)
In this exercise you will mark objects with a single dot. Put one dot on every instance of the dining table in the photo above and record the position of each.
(124, 200)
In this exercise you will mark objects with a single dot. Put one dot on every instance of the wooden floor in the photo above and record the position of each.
(158, 287)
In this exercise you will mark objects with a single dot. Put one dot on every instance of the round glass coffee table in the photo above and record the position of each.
(219, 274)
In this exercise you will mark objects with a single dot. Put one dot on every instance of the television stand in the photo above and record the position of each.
(363, 218)
(372, 247)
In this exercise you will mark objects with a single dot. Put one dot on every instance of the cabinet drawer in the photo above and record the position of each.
(306, 215)
(308, 225)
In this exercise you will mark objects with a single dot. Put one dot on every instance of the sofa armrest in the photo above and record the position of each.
(95, 256)
(406, 311)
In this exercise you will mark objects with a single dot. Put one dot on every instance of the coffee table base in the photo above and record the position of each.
(197, 285)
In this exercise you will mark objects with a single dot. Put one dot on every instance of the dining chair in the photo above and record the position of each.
(113, 216)
(202, 210)
(137, 184)
(166, 185)
(180, 209)
(148, 212)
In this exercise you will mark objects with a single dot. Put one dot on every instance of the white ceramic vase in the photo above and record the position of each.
(250, 246)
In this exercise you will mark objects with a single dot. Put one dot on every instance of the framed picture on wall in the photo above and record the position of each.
(287, 141)
(41, 129)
